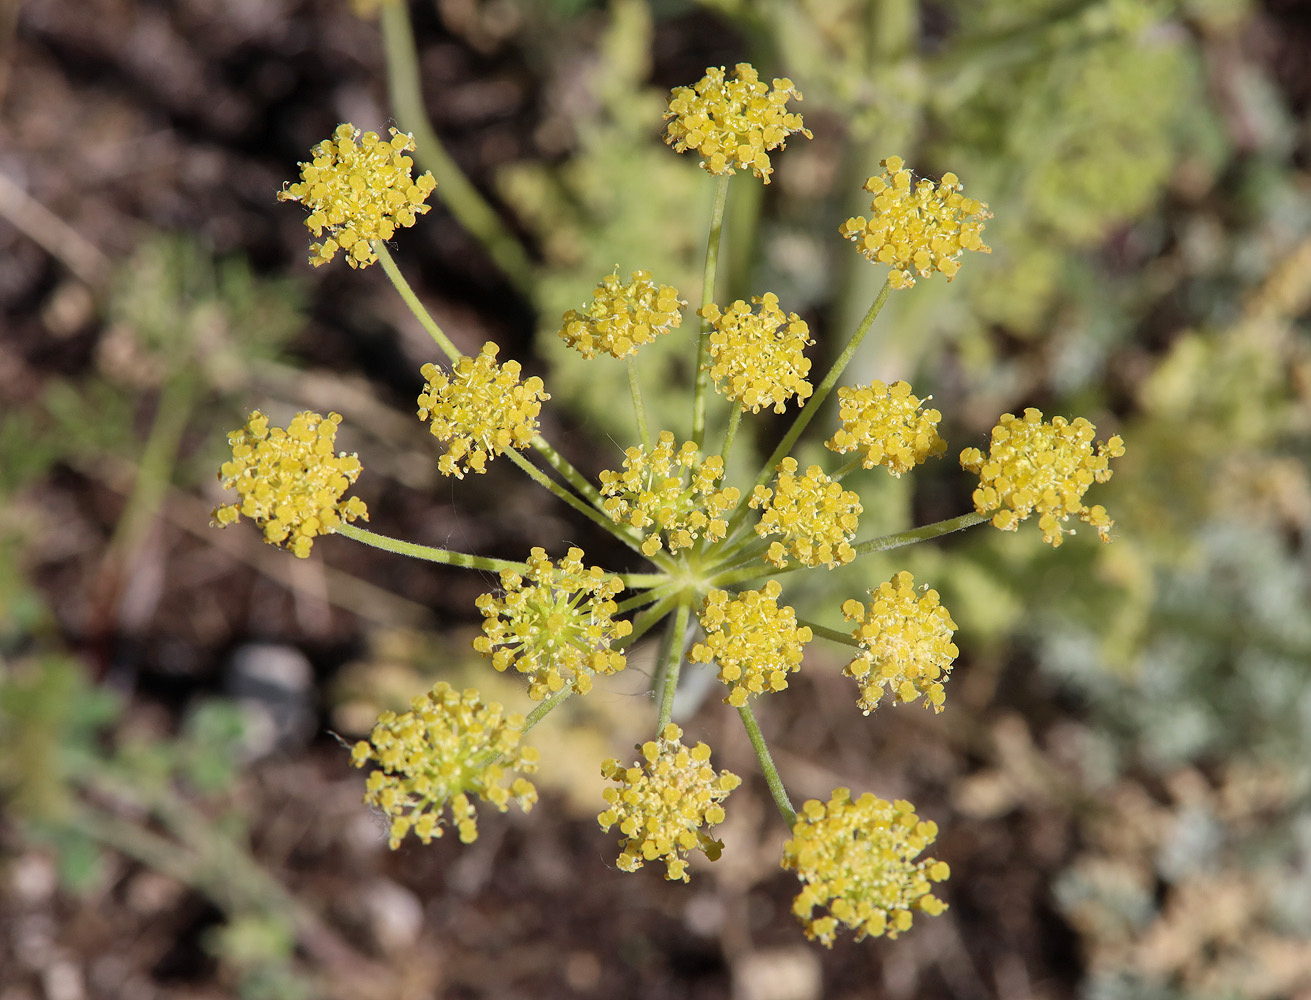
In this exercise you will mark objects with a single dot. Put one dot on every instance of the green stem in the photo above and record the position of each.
(588, 511)
(426, 552)
(468, 206)
(545, 708)
(647, 620)
(646, 582)
(734, 419)
(772, 779)
(673, 662)
(832, 634)
(707, 297)
(412, 300)
(563, 466)
(639, 410)
(935, 530)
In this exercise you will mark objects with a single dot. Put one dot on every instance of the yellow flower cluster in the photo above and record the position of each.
(1034, 465)
(669, 492)
(857, 861)
(556, 630)
(816, 517)
(755, 642)
(290, 481)
(359, 193)
(733, 121)
(441, 754)
(905, 644)
(885, 423)
(622, 317)
(662, 804)
(919, 228)
(757, 359)
(480, 409)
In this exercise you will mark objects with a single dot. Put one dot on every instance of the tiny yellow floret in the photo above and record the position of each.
(359, 192)
(815, 515)
(758, 359)
(290, 481)
(557, 629)
(885, 424)
(480, 409)
(440, 755)
(905, 644)
(1046, 467)
(622, 317)
(670, 494)
(919, 227)
(755, 642)
(857, 865)
(661, 804)
(733, 121)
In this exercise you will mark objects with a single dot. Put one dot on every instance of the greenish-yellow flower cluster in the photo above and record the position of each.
(1033, 465)
(757, 359)
(448, 750)
(359, 192)
(662, 803)
(670, 495)
(857, 862)
(885, 424)
(815, 515)
(755, 642)
(917, 228)
(733, 121)
(622, 317)
(290, 481)
(480, 409)
(557, 629)
(905, 644)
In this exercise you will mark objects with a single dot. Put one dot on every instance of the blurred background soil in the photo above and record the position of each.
(1122, 794)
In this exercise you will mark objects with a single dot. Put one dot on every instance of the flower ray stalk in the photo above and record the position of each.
(672, 661)
(775, 783)
(639, 410)
(427, 552)
(412, 300)
(457, 193)
(707, 297)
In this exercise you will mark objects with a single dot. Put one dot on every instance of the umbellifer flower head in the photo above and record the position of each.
(290, 481)
(757, 359)
(480, 409)
(917, 228)
(857, 861)
(755, 642)
(669, 494)
(905, 644)
(662, 803)
(734, 121)
(439, 755)
(816, 517)
(622, 317)
(1033, 465)
(556, 629)
(358, 192)
(886, 425)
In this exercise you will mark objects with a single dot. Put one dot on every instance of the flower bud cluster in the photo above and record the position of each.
(449, 749)
(1036, 465)
(557, 629)
(662, 803)
(290, 480)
